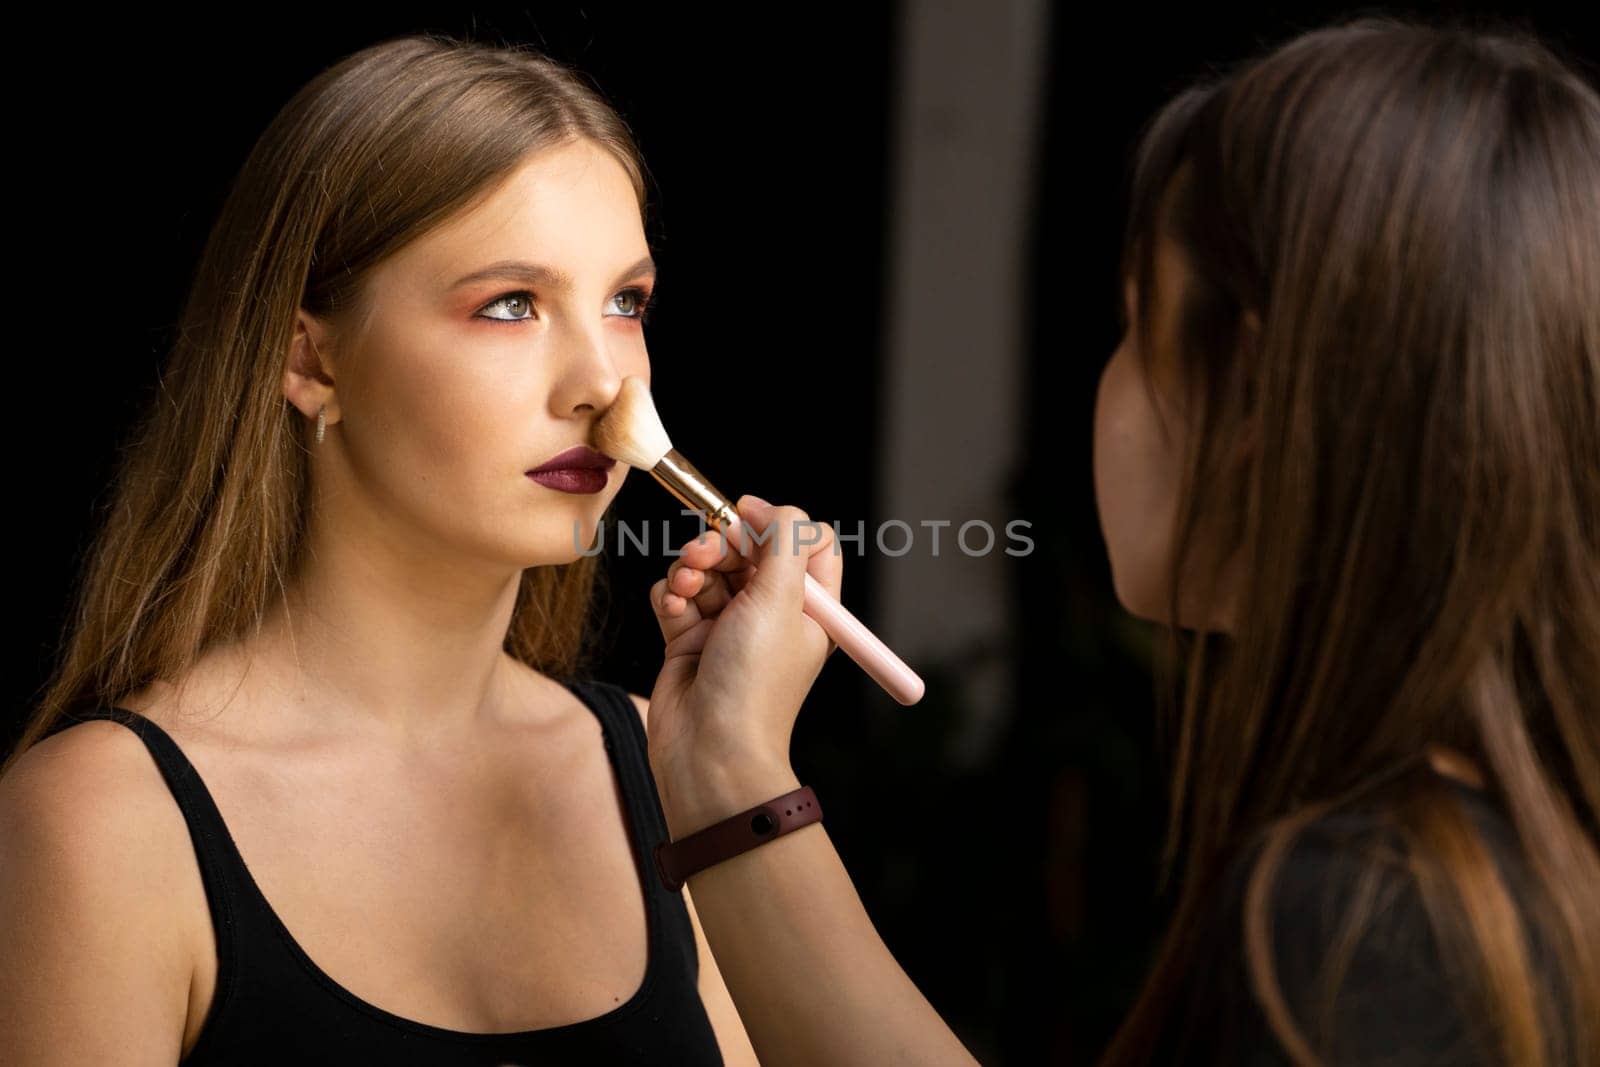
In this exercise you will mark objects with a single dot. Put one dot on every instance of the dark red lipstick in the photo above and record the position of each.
(580, 469)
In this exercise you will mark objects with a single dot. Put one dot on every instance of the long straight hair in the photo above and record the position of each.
(1413, 211)
(206, 513)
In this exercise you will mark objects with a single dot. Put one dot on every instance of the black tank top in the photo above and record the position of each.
(273, 1005)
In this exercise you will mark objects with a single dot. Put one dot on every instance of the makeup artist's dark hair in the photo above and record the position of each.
(208, 506)
(1413, 212)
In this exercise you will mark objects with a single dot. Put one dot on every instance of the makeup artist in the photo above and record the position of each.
(1353, 427)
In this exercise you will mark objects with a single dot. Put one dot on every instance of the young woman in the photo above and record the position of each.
(1349, 451)
(318, 779)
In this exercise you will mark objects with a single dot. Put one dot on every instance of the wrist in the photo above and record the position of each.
(760, 824)
(698, 794)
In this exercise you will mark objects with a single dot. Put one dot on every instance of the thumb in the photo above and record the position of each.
(754, 511)
(767, 539)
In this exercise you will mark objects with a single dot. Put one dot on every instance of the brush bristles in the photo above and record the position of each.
(630, 430)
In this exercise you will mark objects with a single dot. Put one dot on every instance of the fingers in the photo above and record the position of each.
(699, 582)
(674, 614)
(798, 544)
(788, 546)
(710, 550)
(785, 544)
(824, 560)
(710, 590)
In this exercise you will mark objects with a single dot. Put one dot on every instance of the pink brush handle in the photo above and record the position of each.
(862, 645)
(852, 636)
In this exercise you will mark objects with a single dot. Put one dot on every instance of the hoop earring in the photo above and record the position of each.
(322, 412)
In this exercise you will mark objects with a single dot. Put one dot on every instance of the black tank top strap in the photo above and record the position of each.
(626, 741)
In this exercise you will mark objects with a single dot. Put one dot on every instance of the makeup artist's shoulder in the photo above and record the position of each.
(91, 843)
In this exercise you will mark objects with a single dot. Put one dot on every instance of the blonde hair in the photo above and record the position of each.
(207, 508)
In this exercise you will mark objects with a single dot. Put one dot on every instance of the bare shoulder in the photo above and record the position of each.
(86, 812)
(95, 779)
(91, 892)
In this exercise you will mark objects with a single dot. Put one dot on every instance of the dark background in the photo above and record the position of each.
(1023, 903)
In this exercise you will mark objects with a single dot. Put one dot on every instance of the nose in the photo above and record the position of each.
(589, 379)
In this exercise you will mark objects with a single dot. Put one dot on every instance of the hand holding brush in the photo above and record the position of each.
(631, 431)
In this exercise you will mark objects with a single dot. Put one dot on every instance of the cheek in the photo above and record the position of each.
(1135, 487)
(441, 421)
(631, 355)
(443, 413)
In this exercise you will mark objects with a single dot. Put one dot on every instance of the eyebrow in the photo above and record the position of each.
(538, 274)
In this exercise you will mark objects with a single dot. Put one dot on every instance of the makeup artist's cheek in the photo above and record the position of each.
(1110, 423)
(1104, 459)
(1122, 480)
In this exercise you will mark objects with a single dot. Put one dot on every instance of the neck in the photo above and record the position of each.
(378, 635)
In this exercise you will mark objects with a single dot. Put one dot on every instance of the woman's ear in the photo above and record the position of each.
(308, 377)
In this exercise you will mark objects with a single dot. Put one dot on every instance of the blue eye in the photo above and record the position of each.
(632, 303)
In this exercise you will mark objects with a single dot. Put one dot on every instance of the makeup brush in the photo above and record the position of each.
(630, 430)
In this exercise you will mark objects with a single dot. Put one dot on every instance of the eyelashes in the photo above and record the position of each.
(644, 300)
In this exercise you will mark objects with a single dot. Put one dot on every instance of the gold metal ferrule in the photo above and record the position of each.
(692, 487)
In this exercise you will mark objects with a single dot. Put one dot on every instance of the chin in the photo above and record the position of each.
(551, 542)
(1139, 599)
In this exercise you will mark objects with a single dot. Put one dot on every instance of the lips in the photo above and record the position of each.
(578, 457)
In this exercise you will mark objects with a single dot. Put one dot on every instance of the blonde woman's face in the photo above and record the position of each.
(468, 376)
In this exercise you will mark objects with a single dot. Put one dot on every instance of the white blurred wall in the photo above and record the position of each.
(961, 197)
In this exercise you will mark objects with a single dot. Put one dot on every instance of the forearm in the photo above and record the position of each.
(813, 981)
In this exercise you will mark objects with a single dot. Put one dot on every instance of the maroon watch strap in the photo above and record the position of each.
(677, 860)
